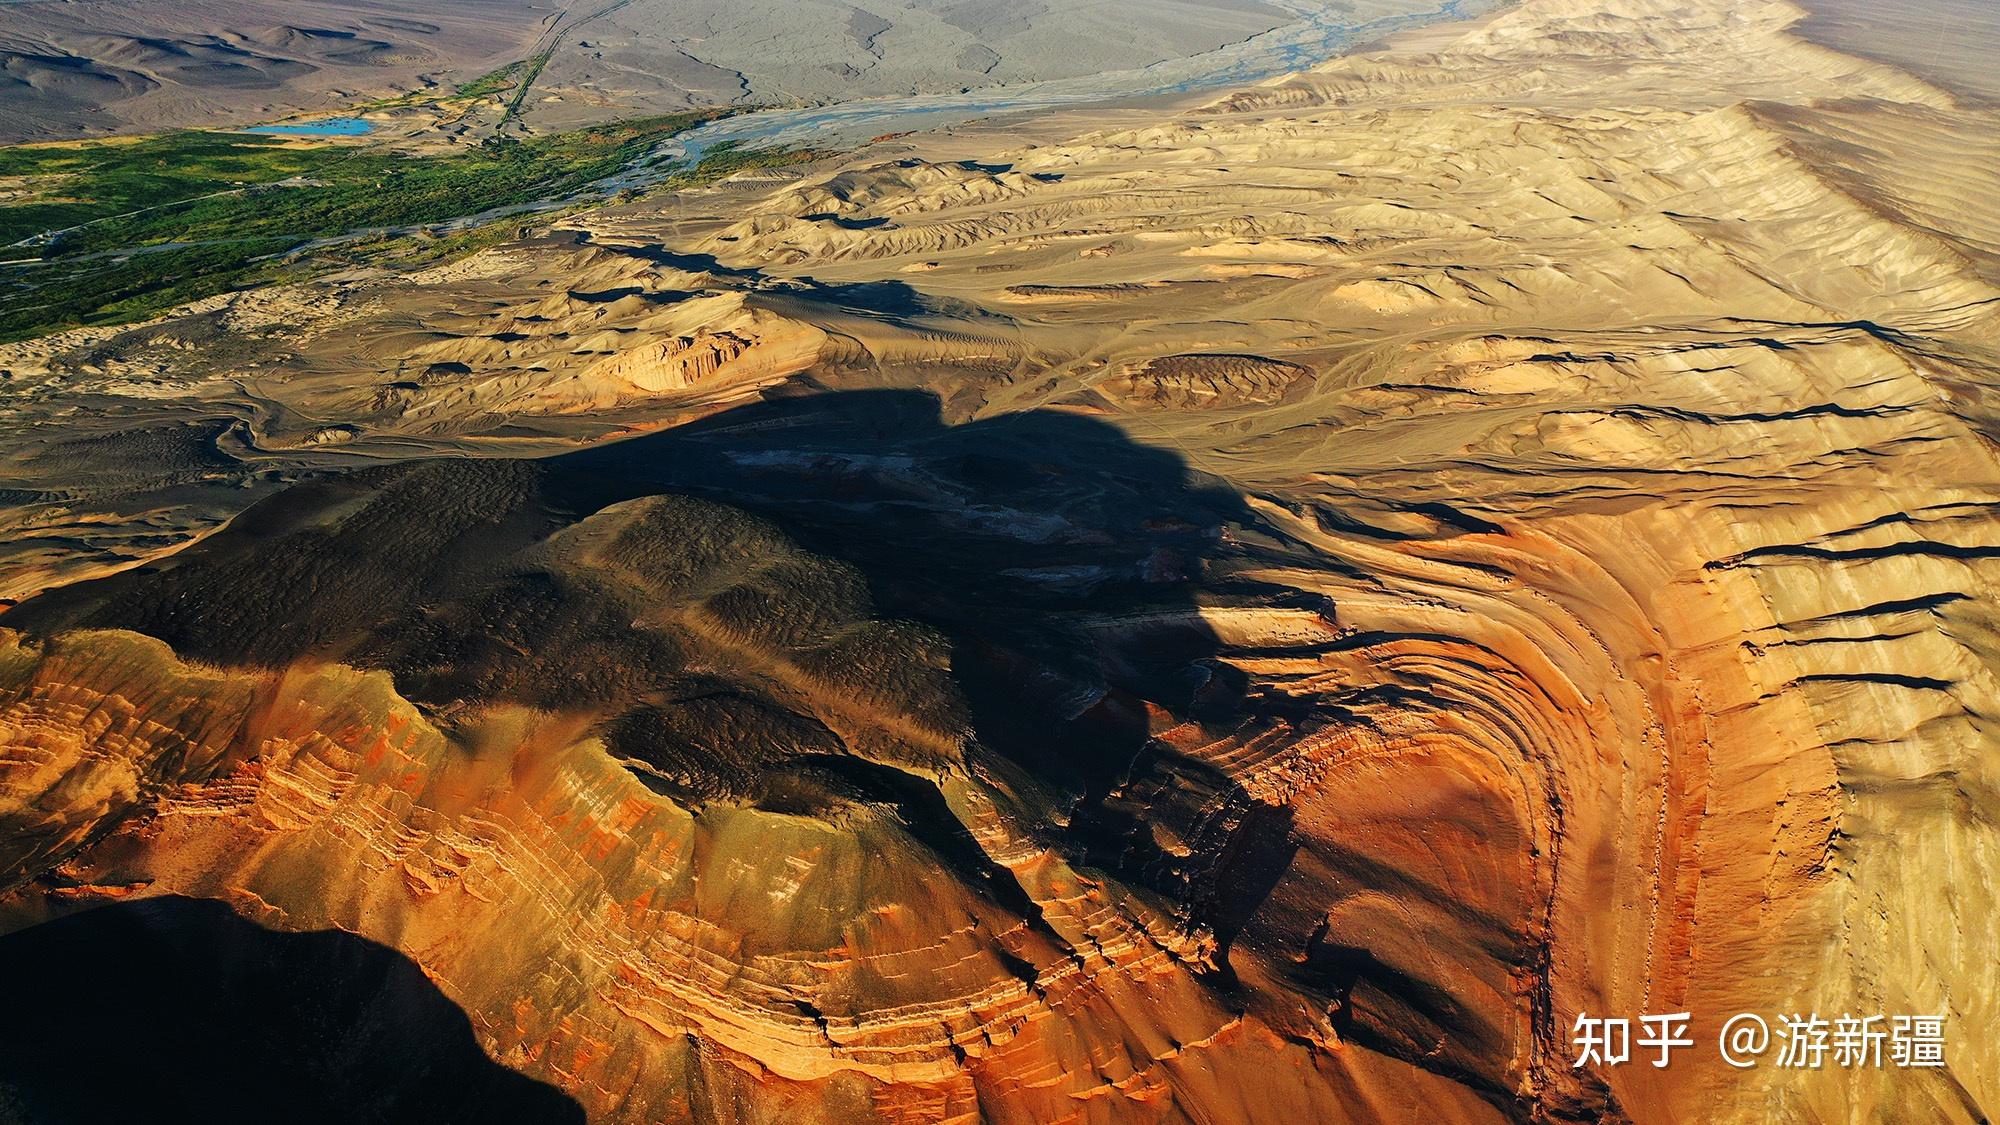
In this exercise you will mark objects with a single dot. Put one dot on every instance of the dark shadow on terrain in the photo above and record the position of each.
(1060, 559)
(896, 300)
(174, 1010)
(1061, 564)
(1014, 535)
(1064, 562)
(691, 263)
(1380, 1007)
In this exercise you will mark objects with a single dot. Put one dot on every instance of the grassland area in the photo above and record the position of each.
(109, 232)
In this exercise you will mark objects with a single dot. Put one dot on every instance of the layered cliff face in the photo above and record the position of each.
(1264, 614)
(687, 831)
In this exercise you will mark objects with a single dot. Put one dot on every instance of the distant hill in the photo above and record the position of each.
(93, 67)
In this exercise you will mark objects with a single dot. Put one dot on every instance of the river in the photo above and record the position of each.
(1312, 39)
(1316, 36)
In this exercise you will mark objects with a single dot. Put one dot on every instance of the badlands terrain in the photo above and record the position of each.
(1261, 610)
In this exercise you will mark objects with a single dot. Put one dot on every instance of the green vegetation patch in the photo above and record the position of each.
(116, 231)
(493, 82)
(83, 182)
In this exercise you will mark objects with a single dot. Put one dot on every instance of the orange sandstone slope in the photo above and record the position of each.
(1286, 608)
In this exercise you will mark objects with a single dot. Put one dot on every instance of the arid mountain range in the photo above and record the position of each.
(91, 67)
(1264, 610)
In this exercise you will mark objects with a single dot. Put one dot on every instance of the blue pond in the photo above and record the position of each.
(325, 127)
